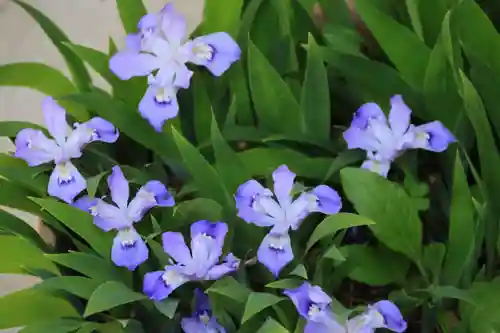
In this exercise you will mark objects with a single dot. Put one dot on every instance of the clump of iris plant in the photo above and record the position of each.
(201, 263)
(202, 319)
(313, 304)
(65, 182)
(280, 211)
(129, 249)
(384, 139)
(160, 51)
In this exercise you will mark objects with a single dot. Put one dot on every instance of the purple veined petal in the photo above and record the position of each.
(367, 112)
(158, 105)
(102, 130)
(267, 205)
(215, 230)
(159, 285)
(152, 194)
(432, 136)
(216, 51)
(118, 185)
(127, 64)
(328, 201)
(173, 24)
(202, 302)
(129, 249)
(245, 198)
(399, 116)
(318, 296)
(66, 182)
(85, 203)
(175, 246)
(362, 139)
(296, 213)
(392, 317)
(55, 119)
(35, 148)
(192, 325)
(300, 298)
(283, 184)
(380, 167)
(109, 217)
(275, 252)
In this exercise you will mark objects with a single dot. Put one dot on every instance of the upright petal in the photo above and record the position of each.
(362, 139)
(118, 185)
(392, 317)
(152, 194)
(129, 250)
(216, 230)
(366, 113)
(108, 217)
(183, 76)
(175, 246)
(205, 252)
(102, 130)
(66, 182)
(158, 105)
(55, 119)
(35, 148)
(159, 285)
(315, 327)
(380, 167)
(275, 252)
(193, 325)
(300, 298)
(216, 52)
(328, 201)
(127, 64)
(399, 116)
(283, 185)
(173, 24)
(432, 136)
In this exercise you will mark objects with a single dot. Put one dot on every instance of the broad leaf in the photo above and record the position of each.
(285, 284)
(230, 288)
(272, 326)
(186, 212)
(167, 307)
(12, 224)
(486, 297)
(213, 21)
(54, 326)
(20, 254)
(257, 302)
(110, 295)
(77, 285)
(17, 171)
(11, 128)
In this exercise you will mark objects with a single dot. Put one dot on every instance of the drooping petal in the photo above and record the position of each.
(245, 197)
(216, 230)
(55, 119)
(159, 285)
(158, 105)
(108, 217)
(230, 264)
(362, 139)
(328, 200)
(66, 182)
(129, 249)
(175, 246)
(432, 136)
(192, 325)
(85, 203)
(380, 167)
(127, 64)
(392, 317)
(118, 185)
(283, 184)
(102, 130)
(152, 194)
(89, 205)
(133, 42)
(275, 252)
(173, 24)
(366, 113)
(35, 148)
(399, 116)
(300, 298)
(216, 51)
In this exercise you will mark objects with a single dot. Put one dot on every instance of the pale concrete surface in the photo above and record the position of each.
(86, 22)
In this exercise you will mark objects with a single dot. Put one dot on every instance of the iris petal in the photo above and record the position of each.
(275, 252)
(66, 182)
(156, 112)
(119, 188)
(55, 119)
(216, 52)
(35, 148)
(129, 249)
(175, 246)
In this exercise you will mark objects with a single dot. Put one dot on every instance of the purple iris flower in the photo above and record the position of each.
(202, 320)
(160, 51)
(282, 212)
(129, 249)
(201, 263)
(385, 139)
(313, 304)
(35, 148)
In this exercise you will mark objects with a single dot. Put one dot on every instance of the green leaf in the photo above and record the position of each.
(230, 288)
(204, 175)
(333, 223)
(397, 226)
(334, 253)
(213, 21)
(90, 265)
(110, 295)
(53, 326)
(197, 209)
(406, 51)
(93, 183)
(272, 326)
(77, 285)
(80, 222)
(131, 11)
(18, 227)
(299, 271)
(202, 110)
(432, 259)
(276, 107)
(315, 99)
(285, 284)
(376, 266)
(31, 306)
(440, 292)
(412, 7)
(17, 171)
(486, 297)
(21, 254)
(11, 128)
(58, 38)
(257, 302)
(167, 307)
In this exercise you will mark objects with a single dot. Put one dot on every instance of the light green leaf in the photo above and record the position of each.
(397, 226)
(17, 171)
(93, 183)
(203, 174)
(54, 326)
(18, 227)
(276, 107)
(272, 326)
(11, 128)
(31, 306)
(197, 209)
(131, 11)
(77, 285)
(299, 271)
(229, 287)
(58, 38)
(80, 222)
(315, 99)
(229, 22)
(158, 251)
(110, 295)
(440, 292)
(19, 254)
(257, 302)
(486, 297)
(334, 253)
(284, 284)
(167, 307)
(330, 225)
